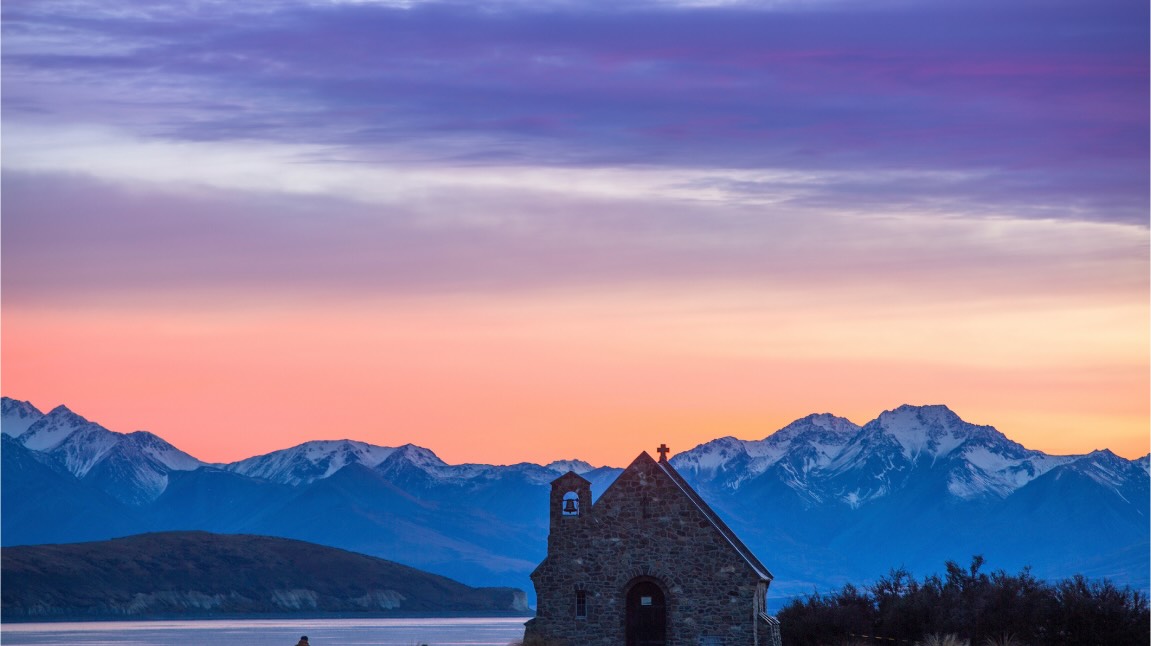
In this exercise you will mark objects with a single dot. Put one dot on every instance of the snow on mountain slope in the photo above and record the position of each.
(132, 468)
(821, 428)
(422, 463)
(410, 464)
(320, 459)
(979, 461)
(158, 449)
(987, 471)
(805, 445)
(1106, 468)
(820, 457)
(127, 474)
(310, 461)
(84, 447)
(52, 429)
(16, 416)
(81, 444)
(410, 461)
(420, 457)
(823, 457)
(563, 466)
(712, 457)
(923, 431)
(816, 439)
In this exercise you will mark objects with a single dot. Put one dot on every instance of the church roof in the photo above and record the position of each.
(713, 518)
(716, 522)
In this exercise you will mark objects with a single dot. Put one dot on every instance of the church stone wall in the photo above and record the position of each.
(643, 527)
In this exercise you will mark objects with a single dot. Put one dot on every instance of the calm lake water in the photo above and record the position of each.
(321, 632)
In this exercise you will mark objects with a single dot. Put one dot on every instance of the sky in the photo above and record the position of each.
(527, 231)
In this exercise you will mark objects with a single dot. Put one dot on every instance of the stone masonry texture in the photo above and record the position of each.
(645, 527)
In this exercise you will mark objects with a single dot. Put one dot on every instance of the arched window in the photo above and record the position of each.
(571, 504)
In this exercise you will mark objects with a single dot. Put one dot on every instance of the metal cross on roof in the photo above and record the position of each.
(662, 450)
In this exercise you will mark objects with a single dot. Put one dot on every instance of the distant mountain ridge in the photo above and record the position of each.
(310, 461)
(829, 458)
(916, 486)
(197, 574)
(132, 467)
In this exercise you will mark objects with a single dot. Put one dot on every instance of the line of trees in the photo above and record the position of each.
(978, 608)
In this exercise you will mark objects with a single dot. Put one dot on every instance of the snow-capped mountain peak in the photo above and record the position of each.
(820, 458)
(823, 457)
(923, 431)
(1105, 467)
(16, 416)
(563, 466)
(820, 437)
(415, 462)
(133, 467)
(310, 461)
(807, 444)
(418, 456)
(52, 429)
(816, 423)
(712, 456)
(160, 450)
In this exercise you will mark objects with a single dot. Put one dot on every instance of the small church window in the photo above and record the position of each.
(571, 504)
(581, 604)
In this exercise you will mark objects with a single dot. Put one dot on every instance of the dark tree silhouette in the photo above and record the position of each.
(973, 605)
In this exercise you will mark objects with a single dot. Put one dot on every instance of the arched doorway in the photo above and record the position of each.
(646, 614)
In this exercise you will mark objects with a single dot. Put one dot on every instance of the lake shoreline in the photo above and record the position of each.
(359, 631)
(5, 621)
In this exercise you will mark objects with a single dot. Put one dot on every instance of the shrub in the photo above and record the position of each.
(943, 640)
(1003, 640)
(969, 605)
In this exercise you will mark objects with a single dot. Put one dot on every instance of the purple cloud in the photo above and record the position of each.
(1045, 102)
(76, 239)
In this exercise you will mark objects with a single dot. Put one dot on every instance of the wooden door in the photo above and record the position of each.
(646, 615)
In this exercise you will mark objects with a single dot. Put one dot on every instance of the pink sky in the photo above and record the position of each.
(545, 377)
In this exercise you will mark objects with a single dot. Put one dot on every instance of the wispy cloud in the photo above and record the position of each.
(1046, 103)
(487, 236)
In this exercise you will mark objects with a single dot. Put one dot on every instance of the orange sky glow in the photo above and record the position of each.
(591, 376)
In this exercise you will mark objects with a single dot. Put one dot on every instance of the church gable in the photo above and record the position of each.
(637, 483)
(654, 492)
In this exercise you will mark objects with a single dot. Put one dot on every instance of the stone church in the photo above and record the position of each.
(649, 564)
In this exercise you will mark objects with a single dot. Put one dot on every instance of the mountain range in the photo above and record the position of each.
(822, 501)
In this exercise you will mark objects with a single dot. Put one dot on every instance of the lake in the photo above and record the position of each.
(267, 632)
